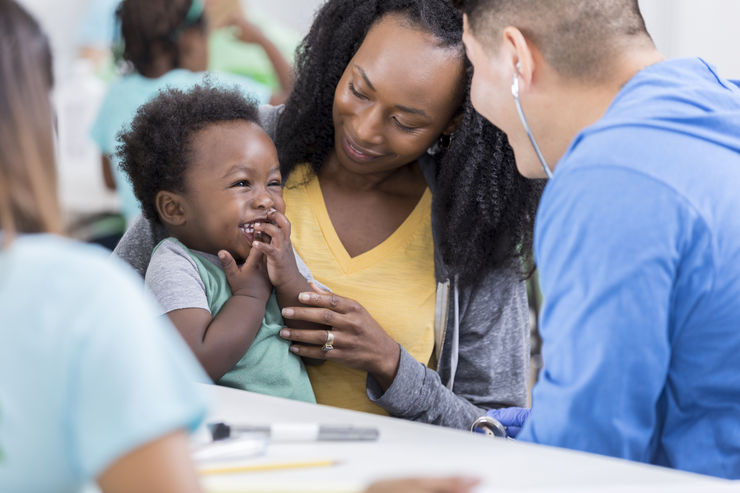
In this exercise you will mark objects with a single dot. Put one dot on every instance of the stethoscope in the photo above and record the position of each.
(486, 424)
(515, 93)
(489, 426)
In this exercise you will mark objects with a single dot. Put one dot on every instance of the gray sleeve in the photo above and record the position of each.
(174, 279)
(268, 116)
(136, 246)
(493, 363)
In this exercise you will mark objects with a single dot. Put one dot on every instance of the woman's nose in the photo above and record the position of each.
(368, 126)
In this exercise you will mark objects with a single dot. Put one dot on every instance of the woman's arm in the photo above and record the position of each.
(137, 244)
(249, 33)
(162, 465)
(493, 353)
(493, 360)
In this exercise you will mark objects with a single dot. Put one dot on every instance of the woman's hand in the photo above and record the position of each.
(359, 342)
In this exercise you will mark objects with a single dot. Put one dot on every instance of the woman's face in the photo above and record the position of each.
(398, 94)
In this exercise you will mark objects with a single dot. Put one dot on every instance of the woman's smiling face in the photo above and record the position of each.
(398, 94)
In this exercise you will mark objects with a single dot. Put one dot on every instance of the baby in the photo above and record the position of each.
(202, 167)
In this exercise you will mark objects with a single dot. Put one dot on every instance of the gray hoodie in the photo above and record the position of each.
(481, 335)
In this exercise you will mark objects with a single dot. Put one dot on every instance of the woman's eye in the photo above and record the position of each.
(403, 127)
(355, 92)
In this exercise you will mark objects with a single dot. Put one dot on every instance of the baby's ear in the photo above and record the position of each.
(171, 208)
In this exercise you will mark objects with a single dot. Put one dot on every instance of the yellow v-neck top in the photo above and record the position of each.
(394, 281)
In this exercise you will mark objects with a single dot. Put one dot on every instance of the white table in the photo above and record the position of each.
(407, 449)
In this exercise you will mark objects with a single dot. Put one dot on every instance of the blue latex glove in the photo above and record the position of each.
(513, 418)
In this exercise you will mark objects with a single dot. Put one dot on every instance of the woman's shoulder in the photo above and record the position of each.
(65, 264)
(269, 116)
(300, 176)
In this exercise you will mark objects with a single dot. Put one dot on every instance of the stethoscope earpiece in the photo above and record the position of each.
(515, 94)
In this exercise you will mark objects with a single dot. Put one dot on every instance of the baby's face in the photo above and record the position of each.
(232, 181)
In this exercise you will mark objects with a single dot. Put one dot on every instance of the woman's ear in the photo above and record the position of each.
(454, 123)
(171, 208)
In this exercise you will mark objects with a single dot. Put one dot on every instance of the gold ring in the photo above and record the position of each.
(329, 344)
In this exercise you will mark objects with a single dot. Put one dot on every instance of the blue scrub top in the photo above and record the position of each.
(638, 245)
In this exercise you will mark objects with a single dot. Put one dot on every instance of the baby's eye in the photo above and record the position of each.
(275, 183)
(241, 183)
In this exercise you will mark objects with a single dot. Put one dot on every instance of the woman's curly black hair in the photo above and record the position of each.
(156, 150)
(149, 25)
(486, 209)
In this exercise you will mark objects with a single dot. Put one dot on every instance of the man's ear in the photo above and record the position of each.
(519, 54)
(171, 208)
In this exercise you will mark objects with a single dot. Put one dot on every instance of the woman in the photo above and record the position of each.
(79, 336)
(84, 354)
(380, 112)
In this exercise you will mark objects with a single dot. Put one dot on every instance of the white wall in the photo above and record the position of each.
(60, 19)
(706, 28)
(297, 14)
(679, 27)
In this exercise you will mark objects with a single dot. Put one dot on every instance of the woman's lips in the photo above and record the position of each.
(357, 153)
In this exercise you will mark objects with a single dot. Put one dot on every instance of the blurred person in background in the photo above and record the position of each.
(166, 44)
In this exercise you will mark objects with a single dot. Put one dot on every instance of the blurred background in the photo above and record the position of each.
(679, 27)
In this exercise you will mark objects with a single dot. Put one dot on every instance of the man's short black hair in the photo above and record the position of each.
(155, 151)
(578, 38)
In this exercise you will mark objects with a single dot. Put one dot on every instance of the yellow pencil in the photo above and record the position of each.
(267, 467)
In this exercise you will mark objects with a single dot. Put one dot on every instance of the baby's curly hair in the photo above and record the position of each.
(154, 152)
(485, 208)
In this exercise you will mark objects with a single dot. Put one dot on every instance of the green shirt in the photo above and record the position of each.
(268, 367)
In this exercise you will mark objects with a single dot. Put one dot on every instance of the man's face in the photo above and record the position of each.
(491, 96)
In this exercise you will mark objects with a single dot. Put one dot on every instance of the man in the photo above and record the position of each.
(638, 232)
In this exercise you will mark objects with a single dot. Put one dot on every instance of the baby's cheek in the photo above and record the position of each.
(279, 203)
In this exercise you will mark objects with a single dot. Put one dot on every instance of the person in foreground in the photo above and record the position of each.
(84, 353)
(211, 177)
(637, 236)
(390, 194)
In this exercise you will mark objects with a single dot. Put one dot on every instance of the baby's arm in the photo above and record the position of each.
(281, 264)
(218, 342)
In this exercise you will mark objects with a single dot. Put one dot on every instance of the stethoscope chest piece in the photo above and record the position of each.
(489, 426)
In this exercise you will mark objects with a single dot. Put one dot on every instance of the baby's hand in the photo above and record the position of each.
(249, 279)
(281, 265)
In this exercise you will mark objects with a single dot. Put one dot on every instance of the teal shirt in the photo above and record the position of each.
(268, 367)
(88, 370)
(123, 99)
